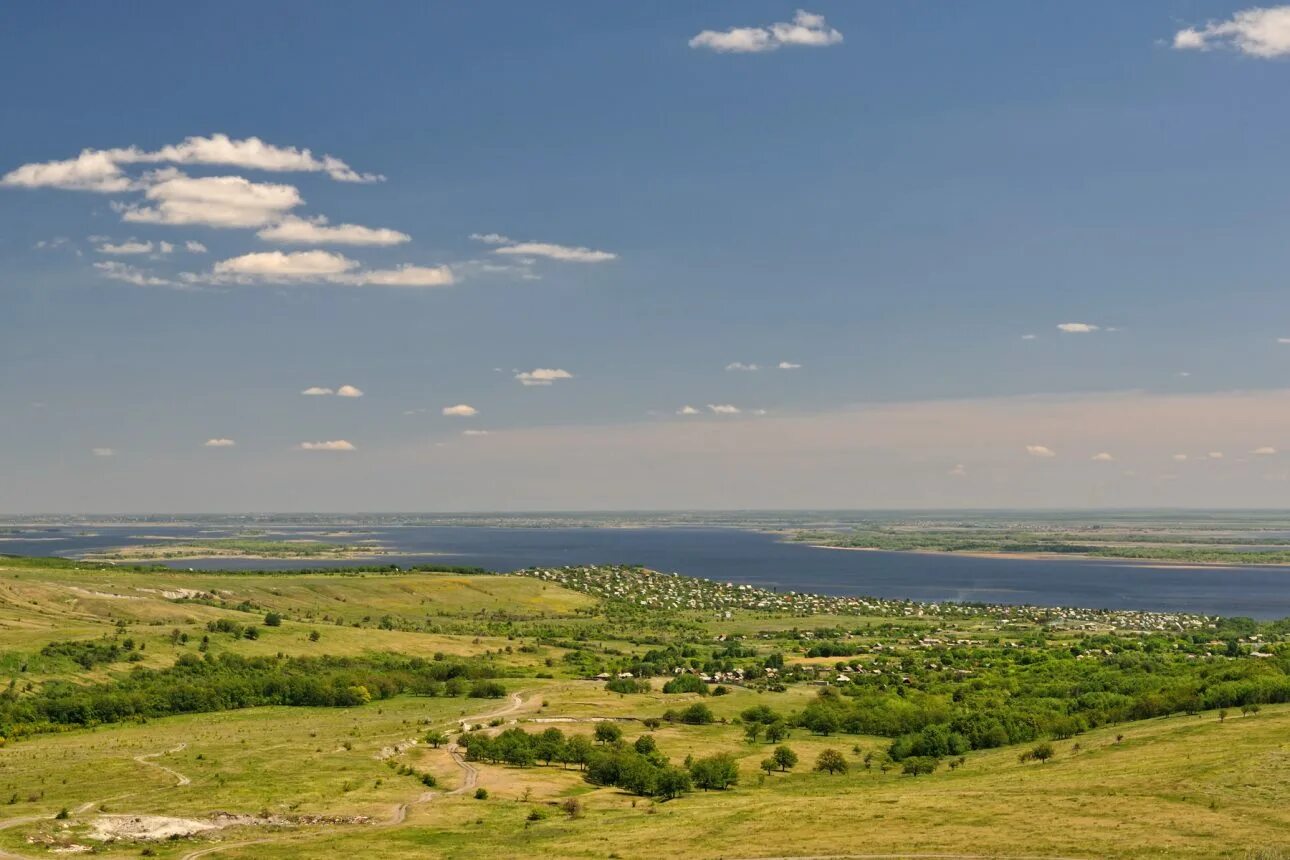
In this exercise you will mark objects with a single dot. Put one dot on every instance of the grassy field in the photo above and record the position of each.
(322, 782)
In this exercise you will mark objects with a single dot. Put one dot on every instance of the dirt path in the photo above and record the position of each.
(470, 779)
(144, 759)
(180, 779)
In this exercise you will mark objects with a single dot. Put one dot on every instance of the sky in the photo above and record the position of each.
(517, 256)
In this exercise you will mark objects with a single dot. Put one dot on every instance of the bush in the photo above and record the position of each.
(481, 794)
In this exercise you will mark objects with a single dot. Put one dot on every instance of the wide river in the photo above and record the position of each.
(760, 559)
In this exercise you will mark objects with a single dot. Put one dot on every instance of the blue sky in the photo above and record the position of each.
(891, 196)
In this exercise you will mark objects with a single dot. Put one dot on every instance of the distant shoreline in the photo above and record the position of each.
(1123, 561)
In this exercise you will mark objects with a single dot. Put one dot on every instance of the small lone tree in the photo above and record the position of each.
(768, 765)
(435, 739)
(831, 761)
(785, 758)
(607, 733)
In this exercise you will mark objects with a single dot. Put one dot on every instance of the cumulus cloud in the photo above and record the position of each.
(806, 29)
(1102, 457)
(1040, 451)
(563, 253)
(1077, 327)
(1257, 32)
(219, 443)
(123, 248)
(333, 445)
(348, 391)
(119, 271)
(193, 247)
(474, 432)
(739, 365)
(1265, 451)
(213, 201)
(1215, 455)
(687, 410)
(316, 231)
(103, 452)
(461, 410)
(101, 169)
(279, 267)
(542, 376)
(723, 409)
(317, 391)
(789, 365)
(92, 170)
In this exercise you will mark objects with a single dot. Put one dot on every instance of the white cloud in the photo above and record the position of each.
(958, 471)
(1029, 336)
(100, 169)
(1102, 457)
(739, 365)
(1257, 32)
(789, 365)
(806, 29)
(404, 276)
(316, 231)
(278, 267)
(1040, 451)
(492, 238)
(119, 271)
(542, 376)
(1180, 458)
(474, 432)
(723, 409)
(1215, 455)
(1077, 327)
(1265, 451)
(165, 247)
(317, 391)
(219, 443)
(103, 452)
(92, 170)
(461, 410)
(563, 253)
(1283, 340)
(687, 410)
(123, 248)
(193, 247)
(214, 201)
(334, 445)
(348, 391)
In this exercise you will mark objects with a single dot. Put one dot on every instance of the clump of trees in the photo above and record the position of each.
(686, 683)
(200, 684)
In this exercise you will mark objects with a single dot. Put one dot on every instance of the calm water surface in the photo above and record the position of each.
(760, 559)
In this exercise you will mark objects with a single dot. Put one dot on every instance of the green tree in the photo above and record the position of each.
(785, 758)
(831, 761)
(716, 772)
(607, 733)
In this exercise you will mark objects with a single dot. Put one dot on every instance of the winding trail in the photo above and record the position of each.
(146, 760)
(180, 779)
(470, 779)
